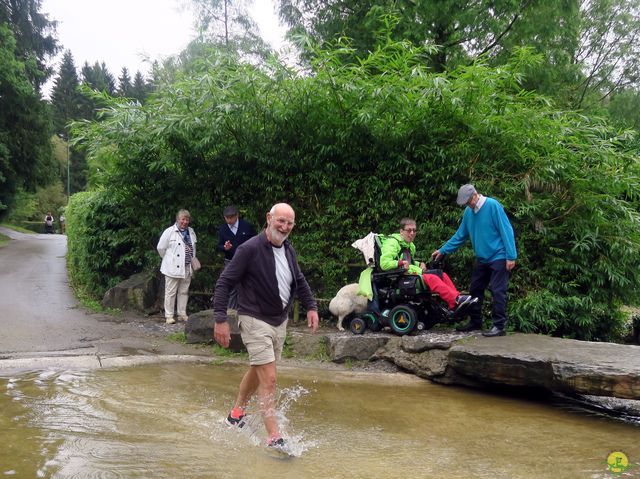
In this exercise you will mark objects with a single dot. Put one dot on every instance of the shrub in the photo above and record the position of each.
(353, 149)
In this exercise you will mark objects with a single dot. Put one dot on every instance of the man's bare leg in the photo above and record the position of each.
(266, 376)
(248, 387)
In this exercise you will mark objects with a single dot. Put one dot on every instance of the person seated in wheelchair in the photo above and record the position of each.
(398, 251)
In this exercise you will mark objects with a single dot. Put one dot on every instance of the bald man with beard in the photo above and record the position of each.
(265, 272)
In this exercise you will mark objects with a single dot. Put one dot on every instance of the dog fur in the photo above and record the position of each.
(346, 302)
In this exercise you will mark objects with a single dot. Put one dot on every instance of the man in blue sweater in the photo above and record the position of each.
(486, 224)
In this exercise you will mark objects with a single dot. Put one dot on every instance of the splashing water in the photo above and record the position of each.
(166, 421)
(253, 428)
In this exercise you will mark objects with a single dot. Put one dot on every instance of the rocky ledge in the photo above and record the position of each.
(522, 360)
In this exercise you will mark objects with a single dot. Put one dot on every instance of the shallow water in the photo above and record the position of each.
(165, 421)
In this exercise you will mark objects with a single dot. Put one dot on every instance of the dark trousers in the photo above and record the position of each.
(233, 294)
(495, 276)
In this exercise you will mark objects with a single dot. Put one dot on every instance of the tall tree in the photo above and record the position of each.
(25, 150)
(124, 83)
(139, 90)
(609, 50)
(462, 31)
(590, 48)
(228, 24)
(34, 37)
(65, 99)
(98, 77)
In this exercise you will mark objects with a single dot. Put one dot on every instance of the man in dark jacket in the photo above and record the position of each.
(231, 234)
(266, 272)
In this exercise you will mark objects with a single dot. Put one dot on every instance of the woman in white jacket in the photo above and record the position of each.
(177, 246)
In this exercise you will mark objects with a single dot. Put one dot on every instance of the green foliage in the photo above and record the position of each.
(25, 151)
(102, 245)
(17, 228)
(66, 102)
(34, 34)
(25, 207)
(353, 148)
(178, 337)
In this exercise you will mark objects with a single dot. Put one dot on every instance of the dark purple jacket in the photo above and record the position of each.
(252, 272)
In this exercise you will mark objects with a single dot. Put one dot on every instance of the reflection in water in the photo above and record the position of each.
(165, 421)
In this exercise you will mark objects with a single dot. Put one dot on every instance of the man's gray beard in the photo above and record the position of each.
(277, 238)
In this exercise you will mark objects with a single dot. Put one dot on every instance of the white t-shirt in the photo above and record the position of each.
(283, 273)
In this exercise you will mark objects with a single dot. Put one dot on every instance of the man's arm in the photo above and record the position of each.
(505, 229)
(389, 252)
(231, 275)
(458, 239)
(221, 238)
(506, 233)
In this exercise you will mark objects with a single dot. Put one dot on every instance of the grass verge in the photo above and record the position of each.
(19, 229)
(178, 337)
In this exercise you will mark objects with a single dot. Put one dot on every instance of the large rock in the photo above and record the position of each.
(563, 365)
(345, 346)
(139, 293)
(521, 360)
(199, 329)
(425, 355)
(306, 345)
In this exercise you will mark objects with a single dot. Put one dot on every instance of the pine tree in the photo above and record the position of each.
(33, 34)
(98, 77)
(65, 99)
(25, 149)
(124, 83)
(139, 90)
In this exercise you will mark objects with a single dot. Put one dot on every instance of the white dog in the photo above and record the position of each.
(347, 301)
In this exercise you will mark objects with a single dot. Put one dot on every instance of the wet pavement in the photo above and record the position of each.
(41, 318)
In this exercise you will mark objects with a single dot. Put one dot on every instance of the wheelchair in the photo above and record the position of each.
(401, 302)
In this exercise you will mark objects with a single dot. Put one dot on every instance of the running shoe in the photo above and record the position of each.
(235, 421)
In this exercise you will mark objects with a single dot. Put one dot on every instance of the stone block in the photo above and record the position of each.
(138, 293)
(349, 346)
(200, 327)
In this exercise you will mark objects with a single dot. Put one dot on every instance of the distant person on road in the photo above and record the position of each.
(231, 234)
(62, 223)
(485, 222)
(177, 247)
(48, 223)
(266, 272)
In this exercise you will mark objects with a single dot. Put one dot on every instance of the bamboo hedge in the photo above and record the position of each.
(355, 147)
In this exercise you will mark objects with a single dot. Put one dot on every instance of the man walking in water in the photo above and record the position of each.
(265, 272)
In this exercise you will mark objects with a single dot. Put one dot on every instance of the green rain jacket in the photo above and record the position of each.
(392, 249)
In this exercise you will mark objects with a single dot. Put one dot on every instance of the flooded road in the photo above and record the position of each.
(165, 421)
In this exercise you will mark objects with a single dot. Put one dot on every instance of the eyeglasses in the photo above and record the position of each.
(284, 221)
(410, 230)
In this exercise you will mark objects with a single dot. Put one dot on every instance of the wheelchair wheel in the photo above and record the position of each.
(358, 325)
(403, 319)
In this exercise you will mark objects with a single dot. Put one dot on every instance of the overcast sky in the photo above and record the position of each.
(125, 33)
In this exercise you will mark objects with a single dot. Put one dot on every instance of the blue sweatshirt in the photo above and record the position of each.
(490, 232)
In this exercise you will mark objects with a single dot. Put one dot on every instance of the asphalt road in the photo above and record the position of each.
(40, 316)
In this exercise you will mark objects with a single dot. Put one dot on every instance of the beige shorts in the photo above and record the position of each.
(264, 342)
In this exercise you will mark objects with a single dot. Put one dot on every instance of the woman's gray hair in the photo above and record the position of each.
(183, 213)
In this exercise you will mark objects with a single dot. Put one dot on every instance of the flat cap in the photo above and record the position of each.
(465, 193)
(231, 210)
